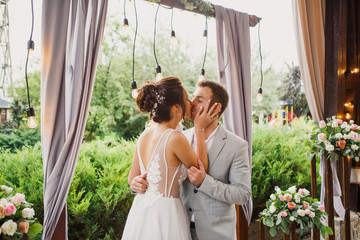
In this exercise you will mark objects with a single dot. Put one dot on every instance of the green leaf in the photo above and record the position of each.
(35, 229)
(273, 231)
(279, 220)
(329, 230)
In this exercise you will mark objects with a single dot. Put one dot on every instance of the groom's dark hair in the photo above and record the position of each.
(219, 93)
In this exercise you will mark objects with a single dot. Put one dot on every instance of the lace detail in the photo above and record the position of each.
(183, 174)
(154, 177)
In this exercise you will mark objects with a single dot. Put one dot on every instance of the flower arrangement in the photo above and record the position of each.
(336, 137)
(16, 215)
(285, 208)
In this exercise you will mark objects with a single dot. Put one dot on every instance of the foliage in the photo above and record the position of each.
(99, 196)
(113, 110)
(278, 159)
(205, 7)
(286, 208)
(271, 82)
(336, 137)
(15, 138)
(16, 215)
(291, 90)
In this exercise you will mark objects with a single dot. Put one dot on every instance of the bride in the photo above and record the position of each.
(164, 154)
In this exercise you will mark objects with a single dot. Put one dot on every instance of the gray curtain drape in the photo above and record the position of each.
(234, 55)
(72, 31)
(309, 18)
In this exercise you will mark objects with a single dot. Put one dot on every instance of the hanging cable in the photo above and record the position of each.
(172, 29)
(158, 68)
(259, 96)
(134, 92)
(31, 123)
(202, 71)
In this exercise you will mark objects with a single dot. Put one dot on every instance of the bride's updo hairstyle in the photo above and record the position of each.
(157, 98)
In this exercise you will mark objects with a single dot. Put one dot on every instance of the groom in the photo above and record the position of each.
(210, 198)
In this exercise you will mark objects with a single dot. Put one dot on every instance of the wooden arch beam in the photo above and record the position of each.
(204, 8)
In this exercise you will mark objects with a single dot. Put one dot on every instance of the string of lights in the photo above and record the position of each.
(134, 92)
(31, 122)
(158, 68)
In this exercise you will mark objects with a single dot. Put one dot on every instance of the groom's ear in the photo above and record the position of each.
(218, 107)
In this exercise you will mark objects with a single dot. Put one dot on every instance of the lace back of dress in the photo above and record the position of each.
(163, 179)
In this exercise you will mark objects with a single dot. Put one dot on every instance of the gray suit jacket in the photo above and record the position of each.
(226, 184)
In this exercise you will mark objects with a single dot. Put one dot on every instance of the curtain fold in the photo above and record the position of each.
(72, 31)
(309, 18)
(234, 56)
(310, 43)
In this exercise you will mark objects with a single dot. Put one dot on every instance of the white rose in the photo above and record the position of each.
(28, 213)
(338, 135)
(8, 190)
(351, 121)
(292, 218)
(348, 128)
(293, 188)
(3, 187)
(306, 192)
(312, 214)
(322, 137)
(278, 190)
(354, 147)
(344, 125)
(329, 124)
(333, 117)
(273, 197)
(9, 228)
(300, 212)
(329, 148)
(3, 202)
(358, 128)
(334, 124)
(346, 136)
(272, 209)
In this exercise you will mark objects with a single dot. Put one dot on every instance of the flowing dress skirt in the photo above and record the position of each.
(161, 219)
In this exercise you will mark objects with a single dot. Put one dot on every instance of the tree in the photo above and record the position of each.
(291, 90)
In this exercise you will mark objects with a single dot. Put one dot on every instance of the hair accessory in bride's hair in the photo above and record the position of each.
(159, 100)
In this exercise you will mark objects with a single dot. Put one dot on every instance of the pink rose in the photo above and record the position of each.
(24, 227)
(287, 197)
(305, 204)
(283, 214)
(10, 209)
(341, 144)
(18, 199)
(322, 124)
(301, 191)
(339, 121)
(307, 211)
(281, 197)
(353, 127)
(291, 205)
(321, 207)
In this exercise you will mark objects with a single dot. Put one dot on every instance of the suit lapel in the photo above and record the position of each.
(217, 145)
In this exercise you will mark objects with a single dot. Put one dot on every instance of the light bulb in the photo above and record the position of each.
(205, 33)
(173, 40)
(202, 75)
(259, 97)
(158, 74)
(355, 70)
(347, 115)
(31, 45)
(32, 122)
(126, 22)
(134, 91)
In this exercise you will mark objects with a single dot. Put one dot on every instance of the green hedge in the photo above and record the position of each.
(279, 160)
(99, 197)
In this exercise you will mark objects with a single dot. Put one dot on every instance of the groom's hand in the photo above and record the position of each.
(139, 183)
(197, 175)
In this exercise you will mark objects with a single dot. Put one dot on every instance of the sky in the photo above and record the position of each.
(277, 33)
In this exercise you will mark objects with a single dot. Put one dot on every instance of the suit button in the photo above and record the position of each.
(195, 190)
(190, 210)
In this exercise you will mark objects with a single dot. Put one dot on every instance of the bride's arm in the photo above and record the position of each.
(137, 181)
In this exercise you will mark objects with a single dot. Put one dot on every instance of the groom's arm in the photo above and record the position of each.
(237, 191)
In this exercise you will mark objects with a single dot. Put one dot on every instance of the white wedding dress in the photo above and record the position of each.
(158, 214)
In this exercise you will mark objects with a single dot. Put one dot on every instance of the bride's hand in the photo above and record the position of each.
(205, 116)
(139, 183)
